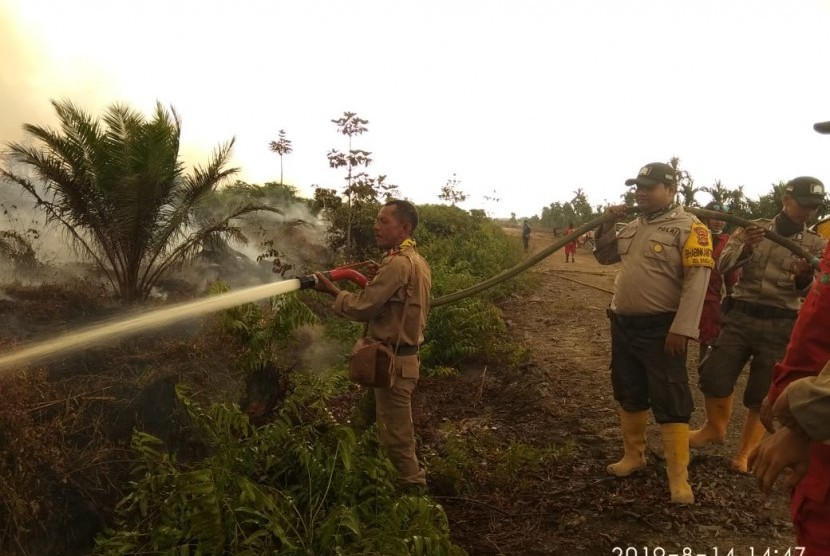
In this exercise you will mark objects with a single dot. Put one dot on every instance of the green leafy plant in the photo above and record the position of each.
(265, 334)
(304, 484)
(116, 185)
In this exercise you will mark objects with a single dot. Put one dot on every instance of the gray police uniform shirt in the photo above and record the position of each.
(766, 275)
(665, 267)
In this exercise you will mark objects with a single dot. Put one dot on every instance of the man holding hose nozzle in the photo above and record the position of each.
(765, 305)
(394, 304)
(666, 259)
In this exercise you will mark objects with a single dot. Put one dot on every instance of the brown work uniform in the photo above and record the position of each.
(758, 327)
(403, 279)
(665, 265)
(809, 400)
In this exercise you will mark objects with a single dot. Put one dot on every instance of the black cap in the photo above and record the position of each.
(807, 191)
(653, 173)
(822, 127)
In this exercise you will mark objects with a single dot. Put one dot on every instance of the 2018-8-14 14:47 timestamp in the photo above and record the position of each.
(707, 551)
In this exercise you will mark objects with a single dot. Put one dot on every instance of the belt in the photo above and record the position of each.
(642, 321)
(406, 350)
(764, 311)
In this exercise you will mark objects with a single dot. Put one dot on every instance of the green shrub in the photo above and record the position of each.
(265, 334)
(302, 485)
(463, 250)
(468, 329)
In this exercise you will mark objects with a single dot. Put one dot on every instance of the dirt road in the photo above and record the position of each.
(562, 397)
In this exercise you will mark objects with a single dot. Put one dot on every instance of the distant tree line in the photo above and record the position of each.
(578, 210)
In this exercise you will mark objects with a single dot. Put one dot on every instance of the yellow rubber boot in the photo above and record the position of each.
(718, 412)
(676, 448)
(752, 435)
(633, 425)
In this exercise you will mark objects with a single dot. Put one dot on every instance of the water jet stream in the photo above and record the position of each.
(72, 341)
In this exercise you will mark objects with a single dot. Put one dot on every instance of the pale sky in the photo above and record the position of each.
(524, 101)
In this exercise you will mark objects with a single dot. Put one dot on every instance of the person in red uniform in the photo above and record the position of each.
(807, 353)
(710, 319)
(570, 247)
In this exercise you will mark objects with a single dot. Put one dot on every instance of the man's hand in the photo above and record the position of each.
(766, 415)
(801, 266)
(675, 344)
(325, 285)
(777, 411)
(785, 448)
(619, 212)
(752, 236)
(781, 410)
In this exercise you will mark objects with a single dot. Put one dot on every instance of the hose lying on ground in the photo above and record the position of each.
(595, 223)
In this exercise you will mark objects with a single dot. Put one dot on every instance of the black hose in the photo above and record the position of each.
(769, 234)
(525, 264)
(595, 223)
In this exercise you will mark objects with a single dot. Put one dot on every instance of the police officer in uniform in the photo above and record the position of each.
(766, 302)
(403, 281)
(666, 259)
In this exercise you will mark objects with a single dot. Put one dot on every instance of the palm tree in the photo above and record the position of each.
(117, 186)
(686, 189)
(719, 192)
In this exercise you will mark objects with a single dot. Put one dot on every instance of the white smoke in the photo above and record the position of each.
(317, 353)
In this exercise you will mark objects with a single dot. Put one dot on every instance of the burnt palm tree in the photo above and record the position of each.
(117, 186)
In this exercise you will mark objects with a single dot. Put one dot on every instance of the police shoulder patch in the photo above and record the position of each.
(697, 251)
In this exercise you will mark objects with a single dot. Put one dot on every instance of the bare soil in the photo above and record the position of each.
(561, 397)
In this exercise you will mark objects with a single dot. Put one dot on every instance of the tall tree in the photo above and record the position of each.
(350, 125)
(769, 204)
(117, 186)
(281, 146)
(583, 212)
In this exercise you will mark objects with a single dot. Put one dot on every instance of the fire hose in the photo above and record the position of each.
(348, 273)
(595, 223)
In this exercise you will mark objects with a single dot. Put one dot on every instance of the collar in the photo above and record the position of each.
(408, 243)
(785, 226)
(649, 216)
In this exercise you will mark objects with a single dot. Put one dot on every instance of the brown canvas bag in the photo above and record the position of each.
(372, 363)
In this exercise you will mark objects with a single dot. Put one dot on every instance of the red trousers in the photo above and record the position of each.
(807, 353)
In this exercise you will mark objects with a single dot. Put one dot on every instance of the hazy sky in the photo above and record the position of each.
(524, 101)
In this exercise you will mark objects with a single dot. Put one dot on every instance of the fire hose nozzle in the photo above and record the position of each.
(335, 274)
(307, 281)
